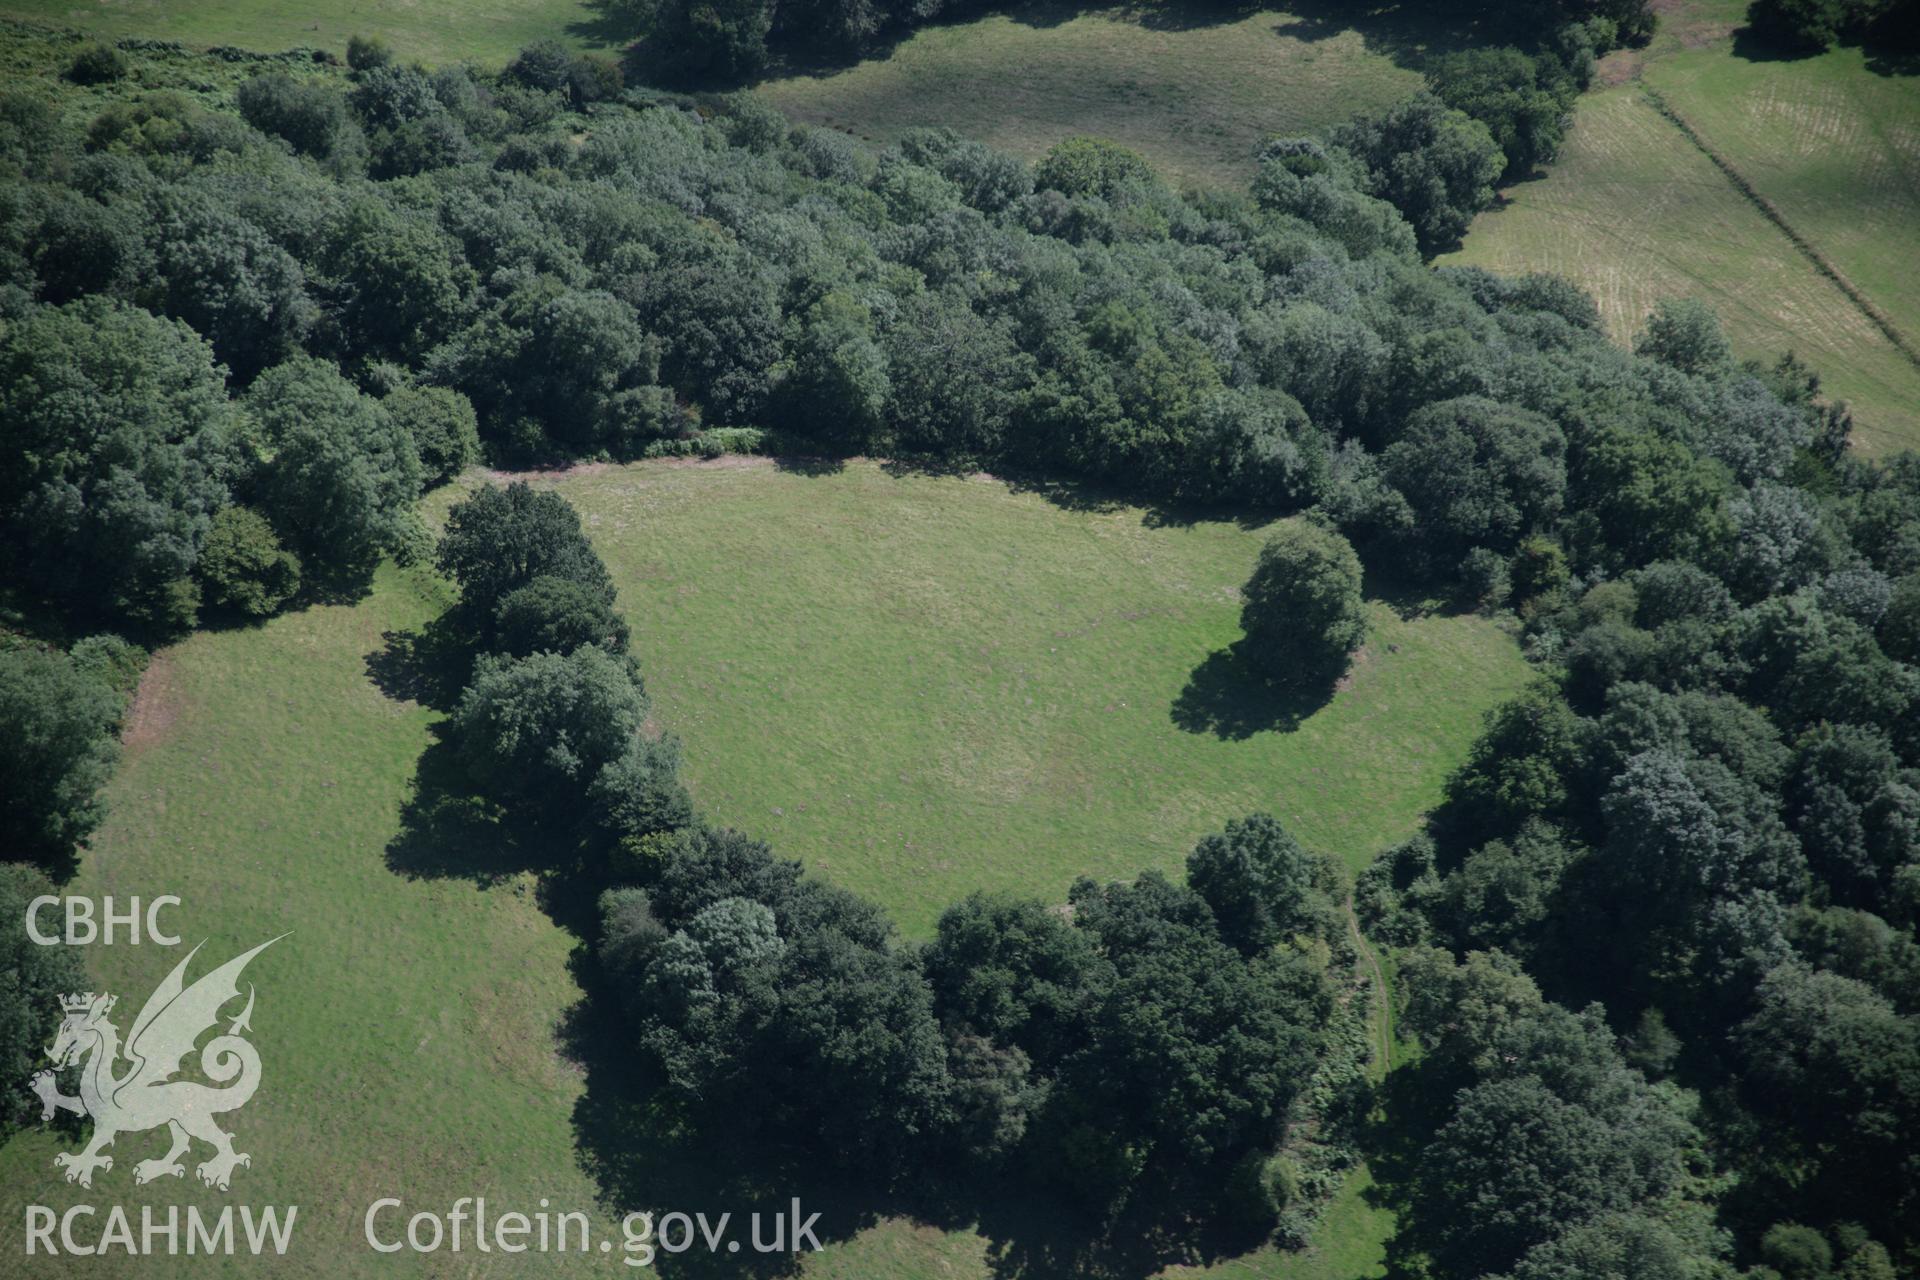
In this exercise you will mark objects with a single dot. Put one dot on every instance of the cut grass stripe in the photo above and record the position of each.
(1821, 263)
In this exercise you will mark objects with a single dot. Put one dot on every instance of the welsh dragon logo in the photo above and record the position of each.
(145, 1094)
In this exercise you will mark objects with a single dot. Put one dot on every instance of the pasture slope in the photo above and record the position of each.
(922, 686)
(1635, 210)
(406, 1027)
(1195, 97)
(434, 31)
(912, 683)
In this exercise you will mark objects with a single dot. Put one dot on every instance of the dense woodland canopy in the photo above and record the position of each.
(1664, 926)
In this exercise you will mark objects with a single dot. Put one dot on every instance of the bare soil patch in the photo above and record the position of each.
(156, 705)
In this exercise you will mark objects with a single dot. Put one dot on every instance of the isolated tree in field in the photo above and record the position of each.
(1303, 614)
(1257, 879)
(57, 752)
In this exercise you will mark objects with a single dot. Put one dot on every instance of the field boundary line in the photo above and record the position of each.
(1771, 212)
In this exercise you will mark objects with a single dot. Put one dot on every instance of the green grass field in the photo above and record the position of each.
(406, 1028)
(1196, 101)
(1834, 145)
(856, 662)
(1634, 211)
(435, 31)
(1349, 1245)
(921, 686)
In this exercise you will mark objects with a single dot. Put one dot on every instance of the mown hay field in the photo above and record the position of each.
(1635, 211)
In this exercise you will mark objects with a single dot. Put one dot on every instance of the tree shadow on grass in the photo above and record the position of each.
(1037, 1238)
(1414, 1101)
(447, 832)
(1888, 60)
(1226, 697)
(797, 465)
(1751, 45)
(1410, 598)
(1103, 499)
(609, 26)
(430, 666)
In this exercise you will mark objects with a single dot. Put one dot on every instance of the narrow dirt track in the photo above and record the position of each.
(1383, 1013)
